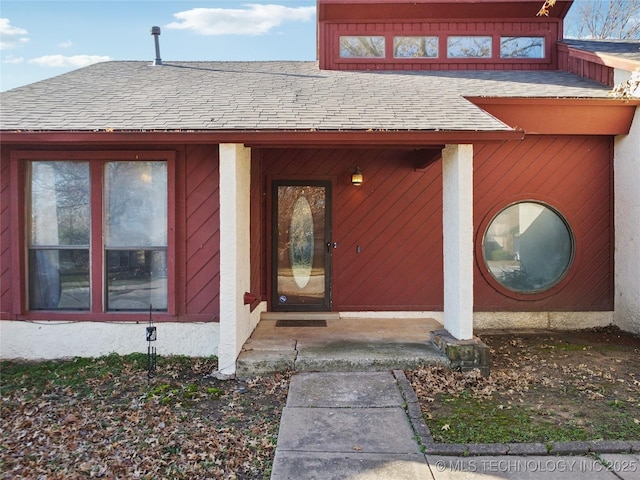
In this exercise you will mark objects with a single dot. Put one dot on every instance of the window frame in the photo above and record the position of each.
(561, 282)
(20, 162)
(426, 57)
(443, 53)
(544, 47)
(133, 247)
(369, 58)
(489, 38)
(44, 247)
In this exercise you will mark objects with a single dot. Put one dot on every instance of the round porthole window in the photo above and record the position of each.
(528, 247)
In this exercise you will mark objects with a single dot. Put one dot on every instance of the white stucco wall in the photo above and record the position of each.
(505, 320)
(53, 340)
(626, 168)
(235, 267)
(541, 320)
(457, 212)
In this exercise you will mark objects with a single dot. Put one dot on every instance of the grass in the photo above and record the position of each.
(546, 387)
(75, 374)
(466, 419)
(104, 417)
(474, 420)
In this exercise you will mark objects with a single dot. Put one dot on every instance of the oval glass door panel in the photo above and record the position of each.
(300, 255)
(301, 242)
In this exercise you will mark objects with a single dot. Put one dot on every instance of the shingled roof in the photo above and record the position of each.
(291, 96)
(623, 49)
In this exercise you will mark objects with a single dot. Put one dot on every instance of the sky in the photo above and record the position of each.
(43, 38)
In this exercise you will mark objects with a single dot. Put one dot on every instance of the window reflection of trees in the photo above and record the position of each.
(522, 47)
(415, 47)
(362, 47)
(59, 235)
(469, 47)
(60, 203)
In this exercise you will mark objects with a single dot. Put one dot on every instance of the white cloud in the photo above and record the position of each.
(11, 44)
(7, 29)
(66, 44)
(10, 35)
(13, 60)
(252, 20)
(75, 61)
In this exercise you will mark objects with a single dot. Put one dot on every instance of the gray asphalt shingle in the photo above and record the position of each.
(133, 96)
(625, 49)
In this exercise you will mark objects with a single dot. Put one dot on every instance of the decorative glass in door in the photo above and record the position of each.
(301, 246)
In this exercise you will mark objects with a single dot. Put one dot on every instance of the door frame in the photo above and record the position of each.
(273, 184)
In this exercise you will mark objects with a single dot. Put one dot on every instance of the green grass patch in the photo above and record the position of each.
(465, 419)
(74, 375)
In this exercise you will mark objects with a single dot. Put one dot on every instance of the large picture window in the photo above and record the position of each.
(59, 236)
(97, 232)
(136, 235)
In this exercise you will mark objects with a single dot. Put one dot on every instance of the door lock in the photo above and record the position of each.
(331, 245)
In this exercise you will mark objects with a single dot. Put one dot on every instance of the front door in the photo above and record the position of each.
(301, 246)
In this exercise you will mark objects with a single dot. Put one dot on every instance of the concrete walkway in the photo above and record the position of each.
(364, 426)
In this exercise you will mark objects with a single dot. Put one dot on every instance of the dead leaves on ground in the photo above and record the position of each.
(124, 429)
(551, 374)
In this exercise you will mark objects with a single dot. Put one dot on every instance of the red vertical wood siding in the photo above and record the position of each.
(258, 230)
(584, 68)
(202, 234)
(573, 175)
(6, 286)
(395, 217)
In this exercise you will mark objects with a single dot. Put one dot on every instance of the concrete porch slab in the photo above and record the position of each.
(345, 344)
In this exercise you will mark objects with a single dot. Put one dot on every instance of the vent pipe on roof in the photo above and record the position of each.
(155, 31)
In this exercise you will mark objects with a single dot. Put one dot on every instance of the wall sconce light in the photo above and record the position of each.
(356, 177)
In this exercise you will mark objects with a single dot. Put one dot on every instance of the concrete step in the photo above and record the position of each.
(354, 344)
(266, 357)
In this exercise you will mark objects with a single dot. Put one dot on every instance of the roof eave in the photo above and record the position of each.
(264, 138)
(562, 116)
(602, 58)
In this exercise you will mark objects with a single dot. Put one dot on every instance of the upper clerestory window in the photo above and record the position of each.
(469, 47)
(522, 47)
(415, 47)
(362, 47)
(458, 47)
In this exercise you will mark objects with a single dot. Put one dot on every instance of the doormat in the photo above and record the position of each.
(301, 323)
